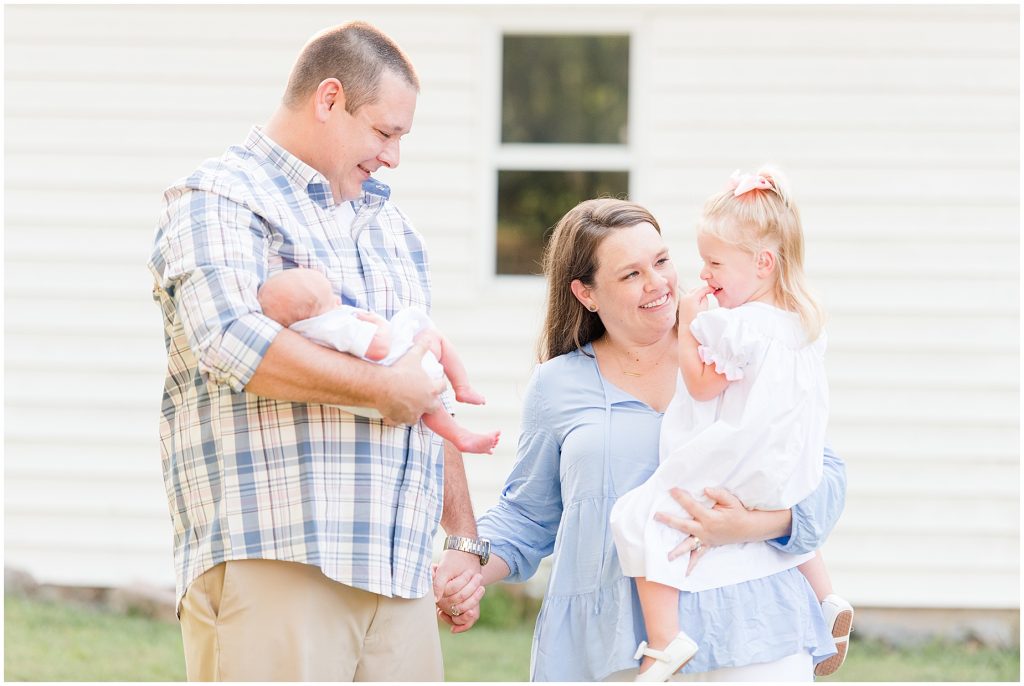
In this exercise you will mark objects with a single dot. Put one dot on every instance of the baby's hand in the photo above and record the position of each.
(380, 344)
(692, 302)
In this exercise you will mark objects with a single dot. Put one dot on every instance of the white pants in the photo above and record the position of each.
(799, 667)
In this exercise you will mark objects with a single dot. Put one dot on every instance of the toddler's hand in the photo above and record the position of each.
(380, 344)
(692, 302)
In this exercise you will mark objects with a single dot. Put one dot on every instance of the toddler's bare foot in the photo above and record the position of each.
(465, 394)
(469, 442)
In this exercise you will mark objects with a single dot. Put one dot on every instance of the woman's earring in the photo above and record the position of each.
(592, 307)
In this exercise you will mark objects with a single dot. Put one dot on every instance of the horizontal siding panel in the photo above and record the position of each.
(990, 553)
(828, 73)
(74, 243)
(130, 499)
(849, 29)
(68, 388)
(871, 513)
(72, 565)
(904, 112)
(882, 369)
(99, 208)
(881, 476)
(143, 353)
(284, 27)
(945, 443)
(861, 163)
(927, 588)
(983, 408)
(86, 423)
(127, 461)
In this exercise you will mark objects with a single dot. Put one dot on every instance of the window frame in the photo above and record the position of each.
(548, 156)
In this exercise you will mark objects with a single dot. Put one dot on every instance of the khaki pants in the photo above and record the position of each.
(266, 620)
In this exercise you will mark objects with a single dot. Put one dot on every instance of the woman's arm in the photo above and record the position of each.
(521, 528)
(815, 516)
(802, 529)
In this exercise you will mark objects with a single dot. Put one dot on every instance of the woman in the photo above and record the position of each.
(590, 429)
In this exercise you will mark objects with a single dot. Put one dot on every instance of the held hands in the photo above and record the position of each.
(409, 393)
(692, 302)
(458, 588)
(724, 523)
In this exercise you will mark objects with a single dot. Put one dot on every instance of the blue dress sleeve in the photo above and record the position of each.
(523, 525)
(815, 516)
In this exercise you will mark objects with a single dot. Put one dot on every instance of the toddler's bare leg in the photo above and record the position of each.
(660, 605)
(444, 425)
(815, 572)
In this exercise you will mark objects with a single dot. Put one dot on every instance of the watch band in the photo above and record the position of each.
(474, 546)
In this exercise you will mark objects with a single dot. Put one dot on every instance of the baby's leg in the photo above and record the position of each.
(444, 425)
(456, 373)
(817, 575)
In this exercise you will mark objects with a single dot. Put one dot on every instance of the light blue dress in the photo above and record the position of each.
(583, 443)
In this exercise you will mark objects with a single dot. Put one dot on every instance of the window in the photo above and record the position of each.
(564, 136)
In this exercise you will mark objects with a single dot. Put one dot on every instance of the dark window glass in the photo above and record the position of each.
(565, 89)
(531, 202)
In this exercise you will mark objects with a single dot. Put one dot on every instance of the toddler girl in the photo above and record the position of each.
(749, 414)
(302, 300)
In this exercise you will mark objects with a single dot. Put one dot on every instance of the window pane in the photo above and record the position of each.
(531, 202)
(565, 89)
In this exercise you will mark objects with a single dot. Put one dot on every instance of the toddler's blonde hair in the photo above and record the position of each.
(768, 219)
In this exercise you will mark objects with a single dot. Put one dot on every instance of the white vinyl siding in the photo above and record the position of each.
(898, 124)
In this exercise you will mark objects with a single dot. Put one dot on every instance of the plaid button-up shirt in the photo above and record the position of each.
(251, 477)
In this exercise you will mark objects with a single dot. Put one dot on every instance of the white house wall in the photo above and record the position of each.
(899, 126)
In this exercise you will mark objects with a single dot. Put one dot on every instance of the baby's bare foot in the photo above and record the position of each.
(469, 442)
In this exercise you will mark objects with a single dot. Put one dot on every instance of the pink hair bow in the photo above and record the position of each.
(744, 183)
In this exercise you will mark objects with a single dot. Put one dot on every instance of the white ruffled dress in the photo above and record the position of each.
(762, 439)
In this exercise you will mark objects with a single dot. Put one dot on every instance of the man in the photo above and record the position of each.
(303, 534)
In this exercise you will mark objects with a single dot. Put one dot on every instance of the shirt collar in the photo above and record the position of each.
(297, 171)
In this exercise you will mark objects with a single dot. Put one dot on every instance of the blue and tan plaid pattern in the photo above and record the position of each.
(250, 477)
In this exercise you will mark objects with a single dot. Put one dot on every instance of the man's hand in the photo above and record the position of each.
(410, 393)
(692, 302)
(458, 588)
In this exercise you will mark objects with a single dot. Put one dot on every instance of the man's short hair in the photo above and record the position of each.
(356, 54)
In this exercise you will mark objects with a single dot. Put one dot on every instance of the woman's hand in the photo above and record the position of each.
(458, 588)
(725, 522)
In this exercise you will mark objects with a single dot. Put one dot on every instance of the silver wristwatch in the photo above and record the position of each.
(475, 546)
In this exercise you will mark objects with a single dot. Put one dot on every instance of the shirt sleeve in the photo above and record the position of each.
(210, 259)
(724, 341)
(815, 516)
(523, 525)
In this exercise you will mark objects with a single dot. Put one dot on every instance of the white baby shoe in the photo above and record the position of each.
(667, 661)
(839, 619)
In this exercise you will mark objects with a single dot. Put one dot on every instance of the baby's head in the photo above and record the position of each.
(755, 222)
(296, 294)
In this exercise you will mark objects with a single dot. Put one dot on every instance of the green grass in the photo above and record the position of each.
(46, 641)
(487, 654)
(934, 661)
